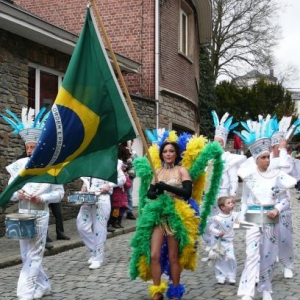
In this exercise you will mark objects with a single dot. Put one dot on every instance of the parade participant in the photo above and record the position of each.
(92, 220)
(262, 202)
(221, 227)
(167, 232)
(33, 199)
(279, 159)
(229, 183)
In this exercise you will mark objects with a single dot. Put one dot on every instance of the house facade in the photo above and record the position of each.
(162, 36)
(156, 44)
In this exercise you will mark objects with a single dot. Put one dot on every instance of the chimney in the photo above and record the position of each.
(271, 72)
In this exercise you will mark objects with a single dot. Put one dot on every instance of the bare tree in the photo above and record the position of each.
(244, 35)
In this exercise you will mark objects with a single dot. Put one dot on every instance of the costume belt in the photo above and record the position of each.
(258, 207)
(31, 206)
(258, 214)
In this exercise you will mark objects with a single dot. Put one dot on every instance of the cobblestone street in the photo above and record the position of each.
(72, 279)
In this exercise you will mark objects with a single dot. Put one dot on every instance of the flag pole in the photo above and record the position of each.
(129, 101)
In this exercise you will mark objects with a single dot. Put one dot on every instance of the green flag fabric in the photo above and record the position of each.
(88, 120)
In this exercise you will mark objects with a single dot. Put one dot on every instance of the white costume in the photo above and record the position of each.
(32, 279)
(287, 164)
(33, 282)
(229, 183)
(92, 219)
(261, 243)
(225, 267)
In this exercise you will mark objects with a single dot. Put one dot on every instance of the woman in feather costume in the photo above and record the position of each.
(168, 227)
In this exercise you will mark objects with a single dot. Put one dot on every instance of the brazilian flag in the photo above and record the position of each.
(88, 120)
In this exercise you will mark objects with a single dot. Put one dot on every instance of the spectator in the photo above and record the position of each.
(237, 144)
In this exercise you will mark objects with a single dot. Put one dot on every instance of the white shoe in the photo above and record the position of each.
(221, 281)
(231, 280)
(287, 273)
(95, 265)
(38, 294)
(247, 298)
(90, 260)
(266, 296)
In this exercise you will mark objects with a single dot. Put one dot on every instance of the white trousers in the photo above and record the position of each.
(92, 227)
(226, 268)
(261, 253)
(286, 251)
(32, 275)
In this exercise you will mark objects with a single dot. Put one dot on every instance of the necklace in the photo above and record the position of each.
(268, 173)
(169, 166)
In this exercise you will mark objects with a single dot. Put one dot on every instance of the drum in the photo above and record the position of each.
(20, 226)
(259, 218)
(82, 198)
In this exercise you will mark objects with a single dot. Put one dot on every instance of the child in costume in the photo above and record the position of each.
(229, 183)
(221, 227)
(168, 227)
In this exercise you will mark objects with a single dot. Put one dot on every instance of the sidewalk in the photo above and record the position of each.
(10, 249)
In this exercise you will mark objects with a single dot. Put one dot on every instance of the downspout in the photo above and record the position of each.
(156, 79)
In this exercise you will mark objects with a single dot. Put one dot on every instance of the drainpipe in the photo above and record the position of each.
(157, 61)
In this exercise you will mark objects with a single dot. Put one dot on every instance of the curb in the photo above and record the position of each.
(62, 247)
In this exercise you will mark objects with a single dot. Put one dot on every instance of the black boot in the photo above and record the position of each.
(130, 216)
(119, 222)
(114, 222)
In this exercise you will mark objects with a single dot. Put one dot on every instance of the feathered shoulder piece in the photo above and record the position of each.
(254, 130)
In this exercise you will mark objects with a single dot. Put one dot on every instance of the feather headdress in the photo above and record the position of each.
(28, 127)
(223, 126)
(257, 134)
(283, 130)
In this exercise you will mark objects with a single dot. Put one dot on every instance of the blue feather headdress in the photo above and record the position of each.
(223, 126)
(257, 134)
(28, 127)
(283, 130)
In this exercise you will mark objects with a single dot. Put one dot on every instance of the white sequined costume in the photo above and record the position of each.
(261, 242)
(285, 244)
(32, 276)
(225, 266)
(228, 187)
(92, 219)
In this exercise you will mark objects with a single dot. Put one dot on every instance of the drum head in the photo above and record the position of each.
(18, 216)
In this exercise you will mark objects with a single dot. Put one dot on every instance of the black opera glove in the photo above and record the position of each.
(152, 192)
(185, 192)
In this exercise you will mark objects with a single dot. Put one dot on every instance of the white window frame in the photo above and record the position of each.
(186, 33)
(38, 70)
(186, 15)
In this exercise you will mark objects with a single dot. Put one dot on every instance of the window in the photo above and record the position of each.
(43, 85)
(184, 33)
(186, 30)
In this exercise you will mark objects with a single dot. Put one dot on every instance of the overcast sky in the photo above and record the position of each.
(288, 50)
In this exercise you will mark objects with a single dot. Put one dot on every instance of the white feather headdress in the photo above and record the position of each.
(257, 134)
(223, 126)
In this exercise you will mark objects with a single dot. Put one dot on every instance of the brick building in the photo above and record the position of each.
(163, 36)
(156, 44)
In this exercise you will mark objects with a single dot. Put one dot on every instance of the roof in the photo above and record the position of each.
(204, 14)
